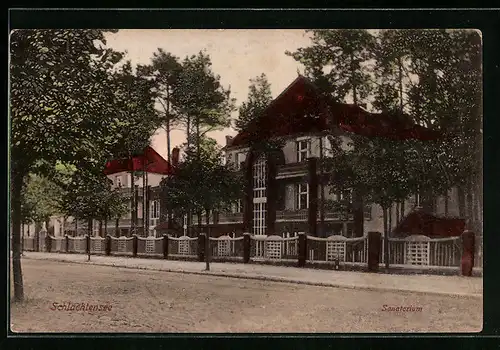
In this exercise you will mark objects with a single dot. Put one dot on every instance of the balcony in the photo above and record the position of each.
(230, 218)
(292, 170)
(125, 223)
(302, 215)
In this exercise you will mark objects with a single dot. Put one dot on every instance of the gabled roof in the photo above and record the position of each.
(149, 161)
(301, 108)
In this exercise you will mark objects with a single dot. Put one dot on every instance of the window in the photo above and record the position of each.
(238, 206)
(229, 158)
(118, 181)
(345, 195)
(259, 196)
(303, 150)
(155, 209)
(240, 158)
(302, 196)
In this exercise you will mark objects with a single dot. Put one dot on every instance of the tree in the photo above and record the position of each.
(90, 196)
(199, 99)
(41, 198)
(382, 169)
(338, 62)
(259, 97)
(201, 102)
(448, 96)
(164, 71)
(67, 106)
(202, 183)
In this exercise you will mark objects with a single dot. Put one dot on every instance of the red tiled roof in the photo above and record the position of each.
(285, 116)
(149, 161)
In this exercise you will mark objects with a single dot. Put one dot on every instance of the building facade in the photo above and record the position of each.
(283, 185)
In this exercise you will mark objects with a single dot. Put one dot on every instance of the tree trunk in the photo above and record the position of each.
(386, 239)
(398, 216)
(446, 209)
(357, 199)
(132, 202)
(400, 68)
(117, 229)
(322, 189)
(167, 112)
(461, 202)
(402, 209)
(105, 228)
(389, 227)
(199, 214)
(76, 228)
(207, 242)
(469, 205)
(89, 233)
(17, 185)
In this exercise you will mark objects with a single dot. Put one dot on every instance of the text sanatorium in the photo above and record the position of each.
(69, 306)
(410, 308)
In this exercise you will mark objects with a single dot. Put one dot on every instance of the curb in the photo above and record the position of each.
(269, 279)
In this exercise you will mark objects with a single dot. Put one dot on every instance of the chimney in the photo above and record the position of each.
(229, 140)
(175, 156)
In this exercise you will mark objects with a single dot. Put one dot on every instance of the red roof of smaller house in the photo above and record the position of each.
(419, 222)
(149, 161)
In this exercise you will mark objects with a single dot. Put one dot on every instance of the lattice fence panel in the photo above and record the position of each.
(417, 253)
(335, 251)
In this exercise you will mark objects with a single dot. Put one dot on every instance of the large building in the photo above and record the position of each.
(278, 194)
(281, 185)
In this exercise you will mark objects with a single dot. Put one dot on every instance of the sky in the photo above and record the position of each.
(237, 55)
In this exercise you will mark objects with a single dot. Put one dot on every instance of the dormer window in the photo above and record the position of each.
(303, 150)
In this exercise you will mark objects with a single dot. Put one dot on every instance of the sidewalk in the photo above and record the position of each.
(428, 284)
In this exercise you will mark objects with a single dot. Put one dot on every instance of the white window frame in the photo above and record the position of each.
(259, 195)
(303, 153)
(238, 161)
(118, 181)
(238, 206)
(301, 189)
(154, 212)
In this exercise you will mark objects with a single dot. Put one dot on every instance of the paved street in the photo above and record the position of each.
(442, 285)
(159, 301)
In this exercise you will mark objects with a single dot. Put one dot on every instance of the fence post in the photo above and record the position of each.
(107, 245)
(165, 246)
(67, 243)
(302, 249)
(374, 250)
(201, 246)
(48, 243)
(246, 247)
(468, 250)
(134, 245)
(87, 237)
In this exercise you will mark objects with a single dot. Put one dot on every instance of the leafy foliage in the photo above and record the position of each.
(41, 198)
(202, 183)
(259, 97)
(71, 104)
(337, 61)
